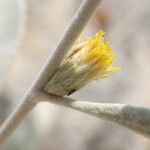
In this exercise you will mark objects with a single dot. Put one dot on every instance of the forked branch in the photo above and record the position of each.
(30, 99)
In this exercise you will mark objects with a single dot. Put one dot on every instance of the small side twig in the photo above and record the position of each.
(136, 118)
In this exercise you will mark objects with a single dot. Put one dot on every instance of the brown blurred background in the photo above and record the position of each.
(29, 31)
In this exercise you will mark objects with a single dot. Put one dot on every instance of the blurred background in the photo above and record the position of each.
(29, 31)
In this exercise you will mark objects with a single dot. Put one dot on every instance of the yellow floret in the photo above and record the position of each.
(99, 52)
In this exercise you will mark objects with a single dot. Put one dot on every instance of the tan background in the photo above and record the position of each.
(36, 26)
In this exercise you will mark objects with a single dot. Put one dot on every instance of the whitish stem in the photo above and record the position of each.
(19, 113)
(135, 118)
(72, 32)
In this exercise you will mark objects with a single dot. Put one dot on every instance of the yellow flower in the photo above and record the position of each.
(91, 60)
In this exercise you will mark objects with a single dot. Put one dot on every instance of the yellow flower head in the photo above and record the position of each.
(91, 60)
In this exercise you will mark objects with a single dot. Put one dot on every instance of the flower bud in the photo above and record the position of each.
(91, 60)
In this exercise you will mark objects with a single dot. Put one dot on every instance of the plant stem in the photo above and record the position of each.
(71, 34)
(19, 113)
(136, 118)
